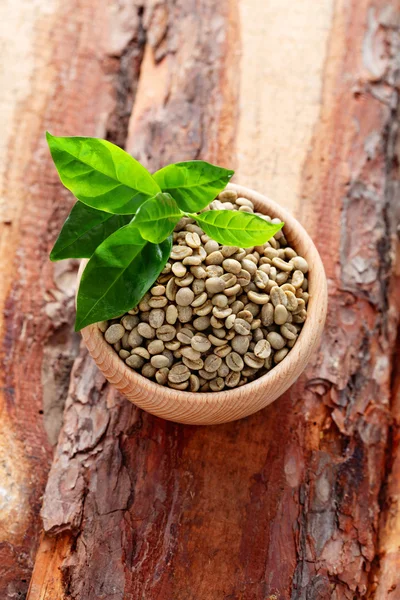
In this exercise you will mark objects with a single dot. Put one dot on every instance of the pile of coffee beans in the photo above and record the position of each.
(218, 316)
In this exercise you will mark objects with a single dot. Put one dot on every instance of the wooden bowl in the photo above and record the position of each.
(221, 407)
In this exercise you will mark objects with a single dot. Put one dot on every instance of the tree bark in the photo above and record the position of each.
(301, 500)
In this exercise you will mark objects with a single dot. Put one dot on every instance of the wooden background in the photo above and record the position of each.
(300, 501)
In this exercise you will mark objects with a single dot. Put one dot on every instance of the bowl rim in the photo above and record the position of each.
(295, 360)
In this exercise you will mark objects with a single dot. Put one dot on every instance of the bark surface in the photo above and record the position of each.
(299, 501)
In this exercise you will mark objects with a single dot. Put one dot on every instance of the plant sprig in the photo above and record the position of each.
(124, 218)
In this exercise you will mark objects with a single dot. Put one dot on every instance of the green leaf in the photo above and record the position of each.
(193, 184)
(157, 217)
(120, 272)
(84, 229)
(101, 174)
(235, 228)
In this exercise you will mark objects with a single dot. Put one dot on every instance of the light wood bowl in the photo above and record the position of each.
(222, 407)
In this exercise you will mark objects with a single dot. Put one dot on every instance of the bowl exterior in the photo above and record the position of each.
(222, 407)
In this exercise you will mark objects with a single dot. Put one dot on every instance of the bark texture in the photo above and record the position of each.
(300, 501)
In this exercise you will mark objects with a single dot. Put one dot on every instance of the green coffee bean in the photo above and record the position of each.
(289, 331)
(212, 363)
(214, 271)
(282, 264)
(232, 380)
(199, 300)
(166, 333)
(280, 314)
(221, 313)
(143, 352)
(135, 339)
(155, 347)
(230, 321)
(258, 335)
(255, 324)
(114, 333)
(215, 258)
(253, 361)
(241, 326)
(129, 322)
(193, 365)
(194, 383)
(216, 341)
(297, 279)
(180, 252)
(243, 278)
(171, 290)
(262, 349)
(240, 343)
(156, 317)
(232, 291)
(103, 325)
(201, 323)
(278, 296)
(245, 202)
(135, 361)
(178, 374)
(276, 340)
(146, 331)
(211, 246)
(162, 376)
(231, 265)
(184, 281)
(185, 314)
(189, 352)
(227, 251)
(174, 345)
(223, 351)
(171, 314)
(159, 361)
(204, 309)
(158, 290)
(220, 300)
(223, 371)
(249, 266)
(214, 285)
(280, 355)
(192, 240)
(200, 273)
(228, 196)
(179, 386)
(185, 335)
(148, 371)
(300, 264)
(219, 332)
(200, 343)
(234, 361)
(218, 384)
(184, 297)
(157, 302)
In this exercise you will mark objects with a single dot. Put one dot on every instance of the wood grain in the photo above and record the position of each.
(300, 500)
(222, 407)
(282, 60)
(56, 57)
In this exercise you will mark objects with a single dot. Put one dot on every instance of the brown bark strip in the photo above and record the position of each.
(46, 581)
(284, 504)
(187, 97)
(69, 88)
(352, 176)
(384, 582)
